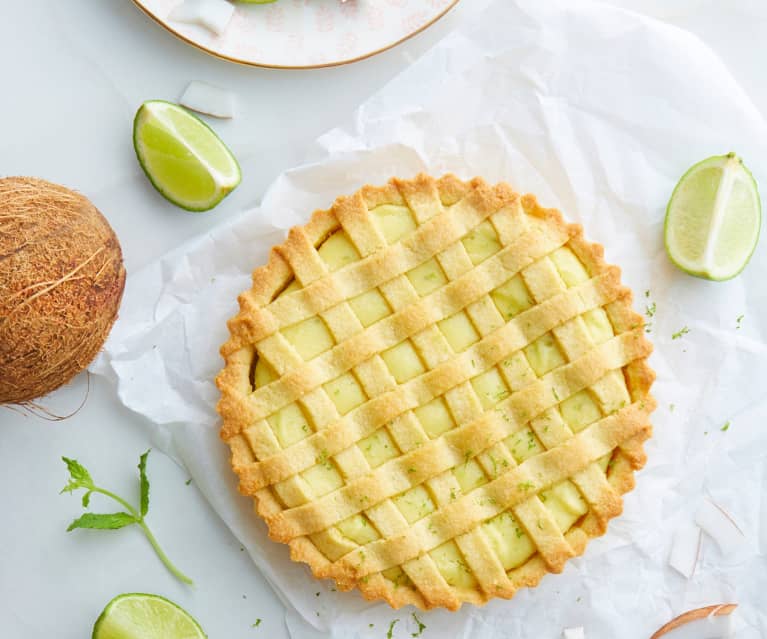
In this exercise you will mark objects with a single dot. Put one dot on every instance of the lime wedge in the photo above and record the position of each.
(139, 616)
(182, 156)
(713, 218)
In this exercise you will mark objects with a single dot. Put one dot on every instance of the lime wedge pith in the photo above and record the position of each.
(141, 616)
(713, 218)
(182, 156)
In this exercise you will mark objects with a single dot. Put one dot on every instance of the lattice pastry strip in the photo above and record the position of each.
(405, 430)
(485, 318)
(550, 278)
(372, 375)
(436, 391)
(434, 349)
(364, 420)
(443, 453)
(397, 293)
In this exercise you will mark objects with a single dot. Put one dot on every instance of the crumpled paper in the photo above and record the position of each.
(598, 111)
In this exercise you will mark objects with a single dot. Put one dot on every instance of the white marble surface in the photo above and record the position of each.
(74, 74)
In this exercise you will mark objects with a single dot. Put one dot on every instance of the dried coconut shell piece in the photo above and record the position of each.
(697, 622)
(61, 282)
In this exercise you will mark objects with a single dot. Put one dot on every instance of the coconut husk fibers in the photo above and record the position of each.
(61, 282)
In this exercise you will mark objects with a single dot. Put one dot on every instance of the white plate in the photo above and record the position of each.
(306, 33)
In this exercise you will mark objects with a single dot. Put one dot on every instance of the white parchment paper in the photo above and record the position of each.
(598, 111)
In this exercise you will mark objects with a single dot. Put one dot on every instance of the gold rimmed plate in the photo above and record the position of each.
(305, 34)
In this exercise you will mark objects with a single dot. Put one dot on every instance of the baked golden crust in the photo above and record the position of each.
(525, 289)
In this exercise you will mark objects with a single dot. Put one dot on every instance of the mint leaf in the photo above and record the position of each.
(102, 522)
(144, 506)
(87, 498)
(78, 476)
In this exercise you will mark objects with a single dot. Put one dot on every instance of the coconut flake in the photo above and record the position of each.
(712, 622)
(211, 14)
(685, 549)
(717, 523)
(573, 633)
(205, 98)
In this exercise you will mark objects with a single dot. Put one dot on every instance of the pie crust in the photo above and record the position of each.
(436, 391)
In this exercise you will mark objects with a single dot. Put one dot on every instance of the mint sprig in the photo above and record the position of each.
(80, 478)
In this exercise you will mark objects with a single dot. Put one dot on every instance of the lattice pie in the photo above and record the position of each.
(436, 391)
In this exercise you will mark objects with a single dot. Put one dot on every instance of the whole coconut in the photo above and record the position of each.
(61, 281)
